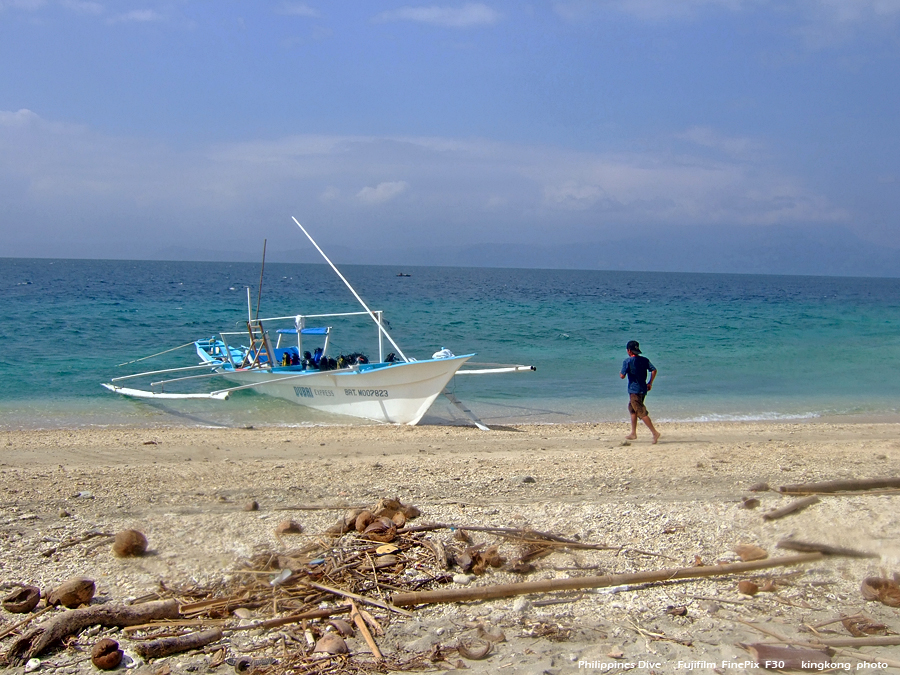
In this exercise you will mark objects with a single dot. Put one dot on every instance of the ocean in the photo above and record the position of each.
(728, 347)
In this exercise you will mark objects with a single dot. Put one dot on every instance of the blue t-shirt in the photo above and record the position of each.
(636, 368)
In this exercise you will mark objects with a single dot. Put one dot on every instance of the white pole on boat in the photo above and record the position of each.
(249, 307)
(380, 336)
(355, 294)
(144, 358)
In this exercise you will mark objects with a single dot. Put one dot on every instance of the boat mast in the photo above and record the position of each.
(262, 269)
(381, 327)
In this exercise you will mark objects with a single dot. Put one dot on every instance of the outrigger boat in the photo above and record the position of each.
(395, 389)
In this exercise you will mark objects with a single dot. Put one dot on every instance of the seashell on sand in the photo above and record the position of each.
(331, 643)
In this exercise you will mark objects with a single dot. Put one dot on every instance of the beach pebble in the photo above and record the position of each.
(251, 506)
(463, 579)
(521, 605)
(748, 587)
(32, 664)
(288, 527)
(524, 479)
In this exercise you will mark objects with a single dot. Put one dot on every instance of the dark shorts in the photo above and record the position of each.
(636, 405)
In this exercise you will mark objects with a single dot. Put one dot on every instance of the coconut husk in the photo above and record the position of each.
(73, 593)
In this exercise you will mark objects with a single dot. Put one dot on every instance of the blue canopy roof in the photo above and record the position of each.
(305, 331)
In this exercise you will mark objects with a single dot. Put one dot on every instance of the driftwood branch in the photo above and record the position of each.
(793, 507)
(9, 629)
(173, 645)
(364, 629)
(876, 641)
(292, 618)
(40, 638)
(75, 542)
(324, 507)
(551, 585)
(841, 485)
(510, 532)
(360, 598)
(825, 549)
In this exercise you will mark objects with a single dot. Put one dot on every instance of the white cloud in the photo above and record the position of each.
(832, 22)
(26, 5)
(137, 16)
(731, 145)
(383, 192)
(58, 177)
(467, 16)
(329, 194)
(654, 10)
(820, 20)
(298, 9)
(83, 6)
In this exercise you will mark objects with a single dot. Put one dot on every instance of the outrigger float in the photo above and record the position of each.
(396, 389)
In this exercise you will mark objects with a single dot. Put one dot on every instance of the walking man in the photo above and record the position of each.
(636, 368)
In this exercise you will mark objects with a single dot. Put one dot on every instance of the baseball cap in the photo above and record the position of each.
(633, 347)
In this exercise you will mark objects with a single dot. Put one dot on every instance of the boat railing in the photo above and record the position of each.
(299, 321)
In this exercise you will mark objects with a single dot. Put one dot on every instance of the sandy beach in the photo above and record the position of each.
(679, 503)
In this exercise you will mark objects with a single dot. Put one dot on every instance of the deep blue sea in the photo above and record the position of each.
(728, 347)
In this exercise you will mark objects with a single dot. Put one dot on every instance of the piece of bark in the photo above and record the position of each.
(789, 658)
(40, 638)
(841, 485)
(810, 547)
(164, 646)
(750, 552)
(793, 507)
(550, 585)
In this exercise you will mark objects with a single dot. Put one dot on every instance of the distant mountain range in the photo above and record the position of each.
(772, 250)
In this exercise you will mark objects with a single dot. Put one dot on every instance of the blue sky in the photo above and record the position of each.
(394, 130)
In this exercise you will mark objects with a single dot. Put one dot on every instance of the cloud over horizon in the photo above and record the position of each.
(480, 185)
(468, 15)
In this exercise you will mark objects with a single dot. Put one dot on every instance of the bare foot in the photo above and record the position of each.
(633, 437)
(656, 438)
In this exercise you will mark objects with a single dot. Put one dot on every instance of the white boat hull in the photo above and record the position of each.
(399, 393)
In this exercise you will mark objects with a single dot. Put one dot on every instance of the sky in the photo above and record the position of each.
(686, 135)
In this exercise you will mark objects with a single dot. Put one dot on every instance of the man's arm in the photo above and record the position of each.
(652, 377)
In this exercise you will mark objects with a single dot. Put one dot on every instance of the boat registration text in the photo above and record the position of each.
(311, 392)
(378, 393)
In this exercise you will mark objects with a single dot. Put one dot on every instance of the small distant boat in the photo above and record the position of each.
(401, 274)
(394, 389)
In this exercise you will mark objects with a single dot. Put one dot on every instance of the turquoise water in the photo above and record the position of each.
(728, 347)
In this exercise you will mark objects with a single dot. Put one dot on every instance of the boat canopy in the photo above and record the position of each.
(303, 331)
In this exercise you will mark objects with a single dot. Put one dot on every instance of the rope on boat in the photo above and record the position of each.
(355, 294)
(187, 344)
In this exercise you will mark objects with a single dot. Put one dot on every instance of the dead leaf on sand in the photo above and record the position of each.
(885, 591)
(749, 552)
(860, 626)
